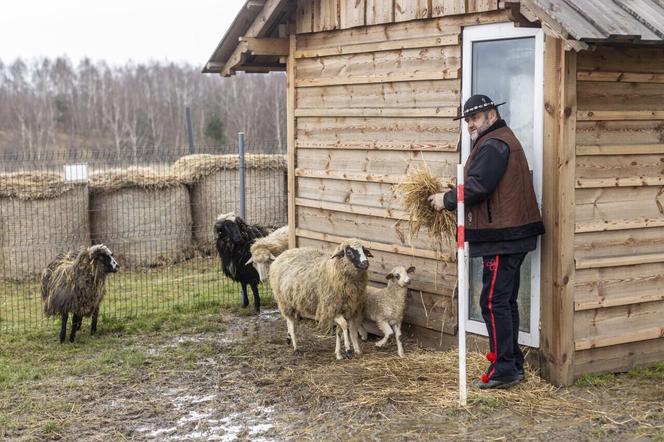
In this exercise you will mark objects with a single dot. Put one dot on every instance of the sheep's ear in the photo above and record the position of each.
(272, 257)
(411, 269)
(389, 276)
(250, 260)
(367, 252)
(339, 254)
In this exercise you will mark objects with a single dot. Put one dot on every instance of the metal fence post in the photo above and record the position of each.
(240, 139)
(190, 131)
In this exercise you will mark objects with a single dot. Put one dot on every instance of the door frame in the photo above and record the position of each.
(503, 31)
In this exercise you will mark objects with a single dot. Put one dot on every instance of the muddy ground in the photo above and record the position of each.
(236, 379)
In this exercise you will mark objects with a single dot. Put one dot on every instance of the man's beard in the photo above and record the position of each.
(482, 128)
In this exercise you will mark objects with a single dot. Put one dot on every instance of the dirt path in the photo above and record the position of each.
(241, 381)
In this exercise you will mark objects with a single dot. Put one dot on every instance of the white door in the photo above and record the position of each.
(506, 63)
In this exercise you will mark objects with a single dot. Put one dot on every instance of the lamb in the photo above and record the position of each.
(234, 238)
(310, 283)
(75, 282)
(385, 306)
(265, 250)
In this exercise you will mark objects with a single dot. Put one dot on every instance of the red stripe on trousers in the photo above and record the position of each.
(493, 319)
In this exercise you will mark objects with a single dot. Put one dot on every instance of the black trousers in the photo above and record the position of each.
(500, 289)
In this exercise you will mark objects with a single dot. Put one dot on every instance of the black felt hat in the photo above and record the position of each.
(477, 103)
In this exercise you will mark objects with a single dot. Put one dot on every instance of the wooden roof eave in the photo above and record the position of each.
(251, 42)
(534, 13)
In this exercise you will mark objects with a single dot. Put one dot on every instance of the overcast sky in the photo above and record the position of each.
(115, 31)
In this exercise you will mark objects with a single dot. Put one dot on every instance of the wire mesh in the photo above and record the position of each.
(155, 210)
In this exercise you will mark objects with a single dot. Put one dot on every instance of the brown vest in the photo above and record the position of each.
(511, 211)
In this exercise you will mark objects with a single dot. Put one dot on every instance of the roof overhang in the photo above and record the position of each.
(254, 42)
(257, 39)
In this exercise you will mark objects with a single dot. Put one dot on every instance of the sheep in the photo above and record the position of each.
(385, 306)
(234, 238)
(310, 283)
(75, 282)
(265, 250)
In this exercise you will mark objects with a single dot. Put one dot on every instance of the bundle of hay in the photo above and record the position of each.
(40, 217)
(142, 214)
(214, 185)
(415, 190)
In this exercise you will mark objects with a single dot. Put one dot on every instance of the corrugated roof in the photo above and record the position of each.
(602, 20)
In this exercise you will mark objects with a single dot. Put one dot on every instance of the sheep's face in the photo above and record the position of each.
(261, 260)
(355, 253)
(401, 276)
(102, 255)
(228, 231)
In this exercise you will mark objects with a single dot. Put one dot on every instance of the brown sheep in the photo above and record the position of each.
(75, 283)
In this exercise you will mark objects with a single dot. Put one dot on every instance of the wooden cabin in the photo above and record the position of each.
(372, 89)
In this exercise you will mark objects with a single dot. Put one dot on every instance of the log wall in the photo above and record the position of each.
(367, 105)
(619, 199)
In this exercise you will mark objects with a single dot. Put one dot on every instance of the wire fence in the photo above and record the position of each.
(155, 210)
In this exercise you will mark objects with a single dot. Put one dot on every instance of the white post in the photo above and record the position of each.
(462, 275)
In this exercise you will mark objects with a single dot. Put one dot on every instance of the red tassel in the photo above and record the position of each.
(485, 378)
(491, 357)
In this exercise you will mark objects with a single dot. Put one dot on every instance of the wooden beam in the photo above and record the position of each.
(623, 338)
(620, 149)
(630, 181)
(355, 209)
(390, 45)
(389, 248)
(621, 224)
(431, 112)
(377, 145)
(257, 29)
(624, 77)
(617, 261)
(443, 74)
(558, 210)
(291, 133)
(598, 115)
(349, 176)
(627, 299)
(266, 46)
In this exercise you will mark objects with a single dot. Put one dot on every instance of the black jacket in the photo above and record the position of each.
(482, 179)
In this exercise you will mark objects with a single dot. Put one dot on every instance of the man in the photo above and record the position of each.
(502, 224)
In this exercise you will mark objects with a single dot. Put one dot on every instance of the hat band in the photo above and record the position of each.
(481, 106)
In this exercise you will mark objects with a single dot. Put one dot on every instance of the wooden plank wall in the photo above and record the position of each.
(326, 15)
(619, 240)
(370, 105)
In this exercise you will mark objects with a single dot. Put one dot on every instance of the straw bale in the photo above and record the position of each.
(143, 215)
(214, 185)
(40, 216)
(32, 185)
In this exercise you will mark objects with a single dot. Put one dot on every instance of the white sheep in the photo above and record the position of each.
(385, 306)
(310, 283)
(265, 250)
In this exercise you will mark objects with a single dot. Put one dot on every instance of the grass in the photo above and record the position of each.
(44, 384)
(131, 295)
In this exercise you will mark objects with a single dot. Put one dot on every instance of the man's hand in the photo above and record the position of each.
(436, 201)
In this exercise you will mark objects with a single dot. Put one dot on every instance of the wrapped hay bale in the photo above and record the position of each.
(214, 185)
(142, 215)
(40, 216)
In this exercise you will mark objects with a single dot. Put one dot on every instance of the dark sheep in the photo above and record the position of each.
(75, 282)
(234, 238)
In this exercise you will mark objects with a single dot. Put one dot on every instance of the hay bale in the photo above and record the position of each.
(214, 186)
(40, 216)
(142, 215)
